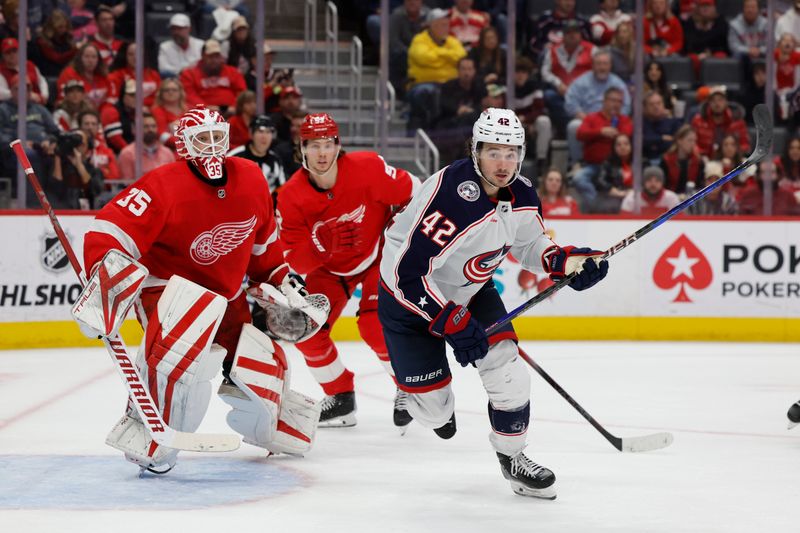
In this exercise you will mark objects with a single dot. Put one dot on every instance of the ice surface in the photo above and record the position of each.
(733, 466)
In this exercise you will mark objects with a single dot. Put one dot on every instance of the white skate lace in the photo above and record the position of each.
(327, 402)
(401, 400)
(520, 463)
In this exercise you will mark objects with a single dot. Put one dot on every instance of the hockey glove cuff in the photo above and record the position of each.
(560, 262)
(462, 332)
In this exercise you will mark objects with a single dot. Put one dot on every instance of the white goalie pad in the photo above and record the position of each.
(109, 294)
(264, 410)
(292, 318)
(178, 361)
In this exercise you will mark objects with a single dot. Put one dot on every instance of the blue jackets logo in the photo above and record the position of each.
(480, 268)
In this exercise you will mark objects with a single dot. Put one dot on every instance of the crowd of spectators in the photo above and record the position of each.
(81, 96)
(573, 82)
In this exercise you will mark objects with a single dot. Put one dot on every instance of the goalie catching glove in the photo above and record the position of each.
(293, 315)
(561, 262)
(108, 295)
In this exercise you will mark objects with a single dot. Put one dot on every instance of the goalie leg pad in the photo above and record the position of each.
(108, 295)
(178, 362)
(265, 411)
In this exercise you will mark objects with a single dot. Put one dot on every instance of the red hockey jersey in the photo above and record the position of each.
(176, 222)
(366, 189)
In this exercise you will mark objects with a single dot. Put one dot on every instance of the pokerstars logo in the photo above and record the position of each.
(682, 265)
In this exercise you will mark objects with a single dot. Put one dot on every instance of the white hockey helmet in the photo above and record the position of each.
(208, 152)
(498, 126)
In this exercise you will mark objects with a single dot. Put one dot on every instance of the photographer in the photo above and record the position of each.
(274, 80)
(76, 182)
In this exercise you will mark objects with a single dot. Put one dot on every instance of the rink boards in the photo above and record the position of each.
(690, 279)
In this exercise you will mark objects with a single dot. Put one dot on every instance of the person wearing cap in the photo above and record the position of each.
(182, 50)
(9, 67)
(118, 120)
(153, 154)
(87, 68)
(562, 63)
(720, 201)
(655, 200)
(74, 103)
(290, 102)
(274, 80)
(123, 68)
(105, 39)
(211, 82)
(432, 59)
(717, 118)
(259, 150)
(240, 46)
(549, 27)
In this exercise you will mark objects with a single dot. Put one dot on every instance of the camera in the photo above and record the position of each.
(66, 143)
(284, 75)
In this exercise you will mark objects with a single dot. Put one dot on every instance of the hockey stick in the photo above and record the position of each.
(644, 443)
(764, 133)
(158, 430)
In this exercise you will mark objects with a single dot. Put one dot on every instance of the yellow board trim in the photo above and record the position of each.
(20, 335)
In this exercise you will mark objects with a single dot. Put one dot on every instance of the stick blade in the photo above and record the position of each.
(646, 443)
(764, 133)
(197, 442)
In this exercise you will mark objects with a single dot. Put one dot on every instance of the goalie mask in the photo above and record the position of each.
(498, 126)
(202, 137)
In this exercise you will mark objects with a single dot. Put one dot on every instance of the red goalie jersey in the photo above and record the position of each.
(365, 192)
(175, 221)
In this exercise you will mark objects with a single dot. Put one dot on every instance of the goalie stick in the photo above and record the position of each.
(140, 397)
(764, 134)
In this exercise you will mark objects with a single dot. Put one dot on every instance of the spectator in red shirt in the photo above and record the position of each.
(240, 122)
(654, 199)
(211, 82)
(55, 45)
(169, 107)
(123, 69)
(597, 133)
(104, 39)
(9, 67)
(719, 117)
(87, 68)
(751, 199)
(561, 65)
(605, 22)
(102, 157)
(554, 197)
(663, 33)
(682, 163)
(466, 23)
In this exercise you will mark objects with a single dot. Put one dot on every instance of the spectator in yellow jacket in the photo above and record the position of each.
(432, 59)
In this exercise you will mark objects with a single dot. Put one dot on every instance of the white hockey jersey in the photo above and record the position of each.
(447, 243)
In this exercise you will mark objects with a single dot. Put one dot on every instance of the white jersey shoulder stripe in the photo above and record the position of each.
(111, 229)
(259, 249)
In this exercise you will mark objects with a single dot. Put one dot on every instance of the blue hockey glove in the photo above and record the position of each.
(462, 332)
(561, 262)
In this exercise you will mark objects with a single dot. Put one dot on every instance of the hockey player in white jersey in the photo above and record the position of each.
(436, 287)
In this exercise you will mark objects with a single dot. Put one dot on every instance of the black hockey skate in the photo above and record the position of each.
(338, 410)
(448, 430)
(794, 415)
(401, 417)
(526, 477)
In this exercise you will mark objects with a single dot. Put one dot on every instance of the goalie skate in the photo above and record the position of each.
(526, 477)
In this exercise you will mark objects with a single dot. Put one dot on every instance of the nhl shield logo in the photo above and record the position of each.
(53, 256)
(469, 191)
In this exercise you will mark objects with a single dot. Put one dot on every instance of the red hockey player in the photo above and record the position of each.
(191, 230)
(332, 213)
